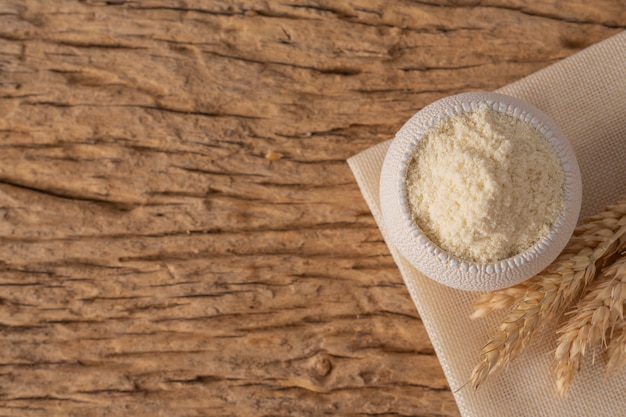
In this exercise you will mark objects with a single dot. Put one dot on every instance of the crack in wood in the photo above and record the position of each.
(68, 195)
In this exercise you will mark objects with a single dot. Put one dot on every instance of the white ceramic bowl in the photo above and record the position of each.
(437, 263)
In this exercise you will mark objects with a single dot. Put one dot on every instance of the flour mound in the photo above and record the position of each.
(484, 185)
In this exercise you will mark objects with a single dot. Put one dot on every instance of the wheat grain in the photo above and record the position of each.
(550, 293)
(616, 350)
(593, 320)
(497, 300)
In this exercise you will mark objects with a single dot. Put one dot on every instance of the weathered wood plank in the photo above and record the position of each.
(180, 234)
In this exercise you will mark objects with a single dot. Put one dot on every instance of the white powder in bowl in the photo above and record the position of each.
(484, 185)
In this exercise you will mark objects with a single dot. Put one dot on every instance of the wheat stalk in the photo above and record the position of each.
(594, 319)
(550, 293)
(589, 234)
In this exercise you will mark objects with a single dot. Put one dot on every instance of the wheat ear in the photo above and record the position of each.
(551, 293)
(594, 319)
(616, 350)
(498, 300)
(589, 234)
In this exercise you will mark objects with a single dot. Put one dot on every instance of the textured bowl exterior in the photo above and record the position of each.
(435, 262)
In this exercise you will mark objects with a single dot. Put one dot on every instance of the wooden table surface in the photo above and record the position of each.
(180, 233)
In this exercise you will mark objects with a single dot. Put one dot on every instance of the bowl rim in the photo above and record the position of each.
(404, 144)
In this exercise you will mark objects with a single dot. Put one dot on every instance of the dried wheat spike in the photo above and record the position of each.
(550, 293)
(497, 300)
(616, 350)
(593, 319)
(590, 234)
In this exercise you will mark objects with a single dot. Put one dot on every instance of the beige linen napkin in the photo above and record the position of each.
(586, 95)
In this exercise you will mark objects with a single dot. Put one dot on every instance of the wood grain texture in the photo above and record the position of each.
(180, 234)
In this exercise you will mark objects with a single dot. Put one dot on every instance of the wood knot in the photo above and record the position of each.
(273, 156)
(321, 366)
